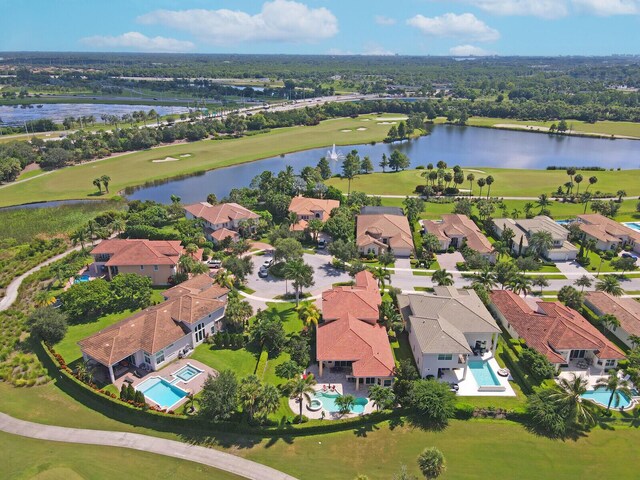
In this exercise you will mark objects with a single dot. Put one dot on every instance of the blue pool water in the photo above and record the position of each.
(601, 396)
(187, 372)
(564, 223)
(633, 225)
(81, 279)
(328, 400)
(483, 373)
(161, 392)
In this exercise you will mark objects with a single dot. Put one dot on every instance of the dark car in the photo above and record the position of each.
(263, 272)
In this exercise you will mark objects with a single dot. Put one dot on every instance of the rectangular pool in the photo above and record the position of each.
(187, 373)
(483, 373)
(632, 225)
(161, 392)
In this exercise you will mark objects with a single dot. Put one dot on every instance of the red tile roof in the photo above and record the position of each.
(552, 327)
(140, 252)
(351, 331)
(626, 310)
(200, 284)
(223, 233)
(455, 225)
(221, 213)
(395, 227)
(308, 206)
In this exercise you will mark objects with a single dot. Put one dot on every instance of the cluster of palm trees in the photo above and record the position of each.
(508, 278)
(444, 178)
(102, 181)
(93, 231)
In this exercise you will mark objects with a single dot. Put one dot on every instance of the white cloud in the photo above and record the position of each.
(465, 25)
(279, 21)
(536, 8)
(468, 51)
(606, 8)
(139, 42)
(375, 49)
(382, 20)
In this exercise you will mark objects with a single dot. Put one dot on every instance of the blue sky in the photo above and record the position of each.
(409, 27)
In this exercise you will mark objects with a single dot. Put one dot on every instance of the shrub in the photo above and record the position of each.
(537, 364)
(464, 411)
(124, 393)
(434, 400)
(431, 462)
(48, 324)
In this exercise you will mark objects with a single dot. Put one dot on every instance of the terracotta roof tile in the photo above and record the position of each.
(626, 310)
(140, 252)
(221, 213)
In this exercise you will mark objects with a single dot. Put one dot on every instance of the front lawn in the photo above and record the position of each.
(241, 361)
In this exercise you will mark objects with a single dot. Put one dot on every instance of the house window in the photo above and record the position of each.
(445, 356)
(609, 363)
(199, 332)
(159, 357)
(147, 359)
(386, 383)
(141, 267)
(318, 215)
(155, 268)
(369, 380)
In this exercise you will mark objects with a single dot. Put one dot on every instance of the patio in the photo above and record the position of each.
(469, 386)
(581, 368)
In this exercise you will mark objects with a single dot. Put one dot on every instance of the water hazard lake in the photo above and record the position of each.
(464, 146)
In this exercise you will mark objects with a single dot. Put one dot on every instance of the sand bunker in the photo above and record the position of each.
(472, 170)
(390, 118)
(346, 130)
(185, 155)
(361, 129)
(166, 159)
(365, 120)
(386, 123)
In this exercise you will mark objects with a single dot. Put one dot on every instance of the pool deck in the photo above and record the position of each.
(194, 385)
(469, 387)
(341, 386)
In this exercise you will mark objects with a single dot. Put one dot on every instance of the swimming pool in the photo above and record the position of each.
(187, 373)
(601, 397)
(632, 225)
(81, 279)
(328, 400)
(483, 373)
(161, 392)
(564, 223)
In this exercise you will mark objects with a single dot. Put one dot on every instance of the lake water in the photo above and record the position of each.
(465, 146)
(16, 115)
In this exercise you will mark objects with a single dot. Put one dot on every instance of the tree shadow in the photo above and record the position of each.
(426, 424)
(363, 430)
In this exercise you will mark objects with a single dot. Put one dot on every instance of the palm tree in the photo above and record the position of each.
(515, 213)
(105, 181)
(97, 183)
(611, 285)
(520, 284)
(381, 274)
(79, 237)
(592, 181)
(527, 208)
(300, 274)
(578, 180)
(543, 201)
(485, 277)
(540, 281)
(583, 281)
(382, 397)
(309, 314)
(315, 227)
(470, 178)
(431, 463)
(481, 183)
(224, 278)
(608, 321)
(617, 386)
(442, 278)
(118, 225)
(301, 388)
(44, 298)
(540, 242)
(345, 403)
(501, 248)
(489, 180)
(389, 317)
(569, 396)
(620, 194)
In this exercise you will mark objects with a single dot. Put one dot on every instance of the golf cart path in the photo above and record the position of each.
(135, 441)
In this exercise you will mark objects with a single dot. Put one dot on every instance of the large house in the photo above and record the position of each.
(308, 208)
(523, 228)
(156, 259)
(456, 230)
(446, 328)
(152, 337)
(222, 220)
(350, 338)
(608, 234)
(556, 331)
(626, 310)
(380, 228)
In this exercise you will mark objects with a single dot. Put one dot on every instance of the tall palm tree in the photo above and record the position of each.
(79, 237)
(470, 178)
(98, 183)
(309, 314)
(300, 274)
(224, 278)
(540, 242)
(583, 281)
(569, 396)
(540, 281)
(617, 386)
(620, 194)
(592, 181)
(442, 278)
(382, 275)
(489, 180)
(118, 225)
(485, 277)
(543, 201)
(300, 389)
(105, 179)
(608, 321)
(520, 283)
(389, 317)
(611, 285)
(481, 183)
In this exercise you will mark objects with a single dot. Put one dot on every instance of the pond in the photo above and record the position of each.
(464, 146)
(17, 115)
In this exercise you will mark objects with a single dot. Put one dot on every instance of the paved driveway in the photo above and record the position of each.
(448, 260)
(572, 270)
(324, 276)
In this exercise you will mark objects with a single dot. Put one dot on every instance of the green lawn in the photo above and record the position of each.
(75, 182)
(509, 182)
(26, 458)
(241, 361)
(69, 348)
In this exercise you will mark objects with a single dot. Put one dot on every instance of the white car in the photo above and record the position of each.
(267, 263)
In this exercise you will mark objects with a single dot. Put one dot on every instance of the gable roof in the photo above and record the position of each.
(308, 206)
(440, 321)
(626, 310)
(455, 225)
(351, 331)
(139, 252)
(223, 233)
(394, 227)
(552, 327)
(198, 284)
(151, 329)
(220, 213)
(604, 229)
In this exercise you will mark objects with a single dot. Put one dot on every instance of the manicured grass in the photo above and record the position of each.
(44, 460)
(24, 224)
(69, 348)
(75, 182)
(509, 182)
(29, 174)
(401, 348)
(241, 361)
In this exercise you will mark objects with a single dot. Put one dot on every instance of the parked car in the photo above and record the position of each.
(214, 263)
(629, 255)
(263, 272)
(322, 244)
(267, 263)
